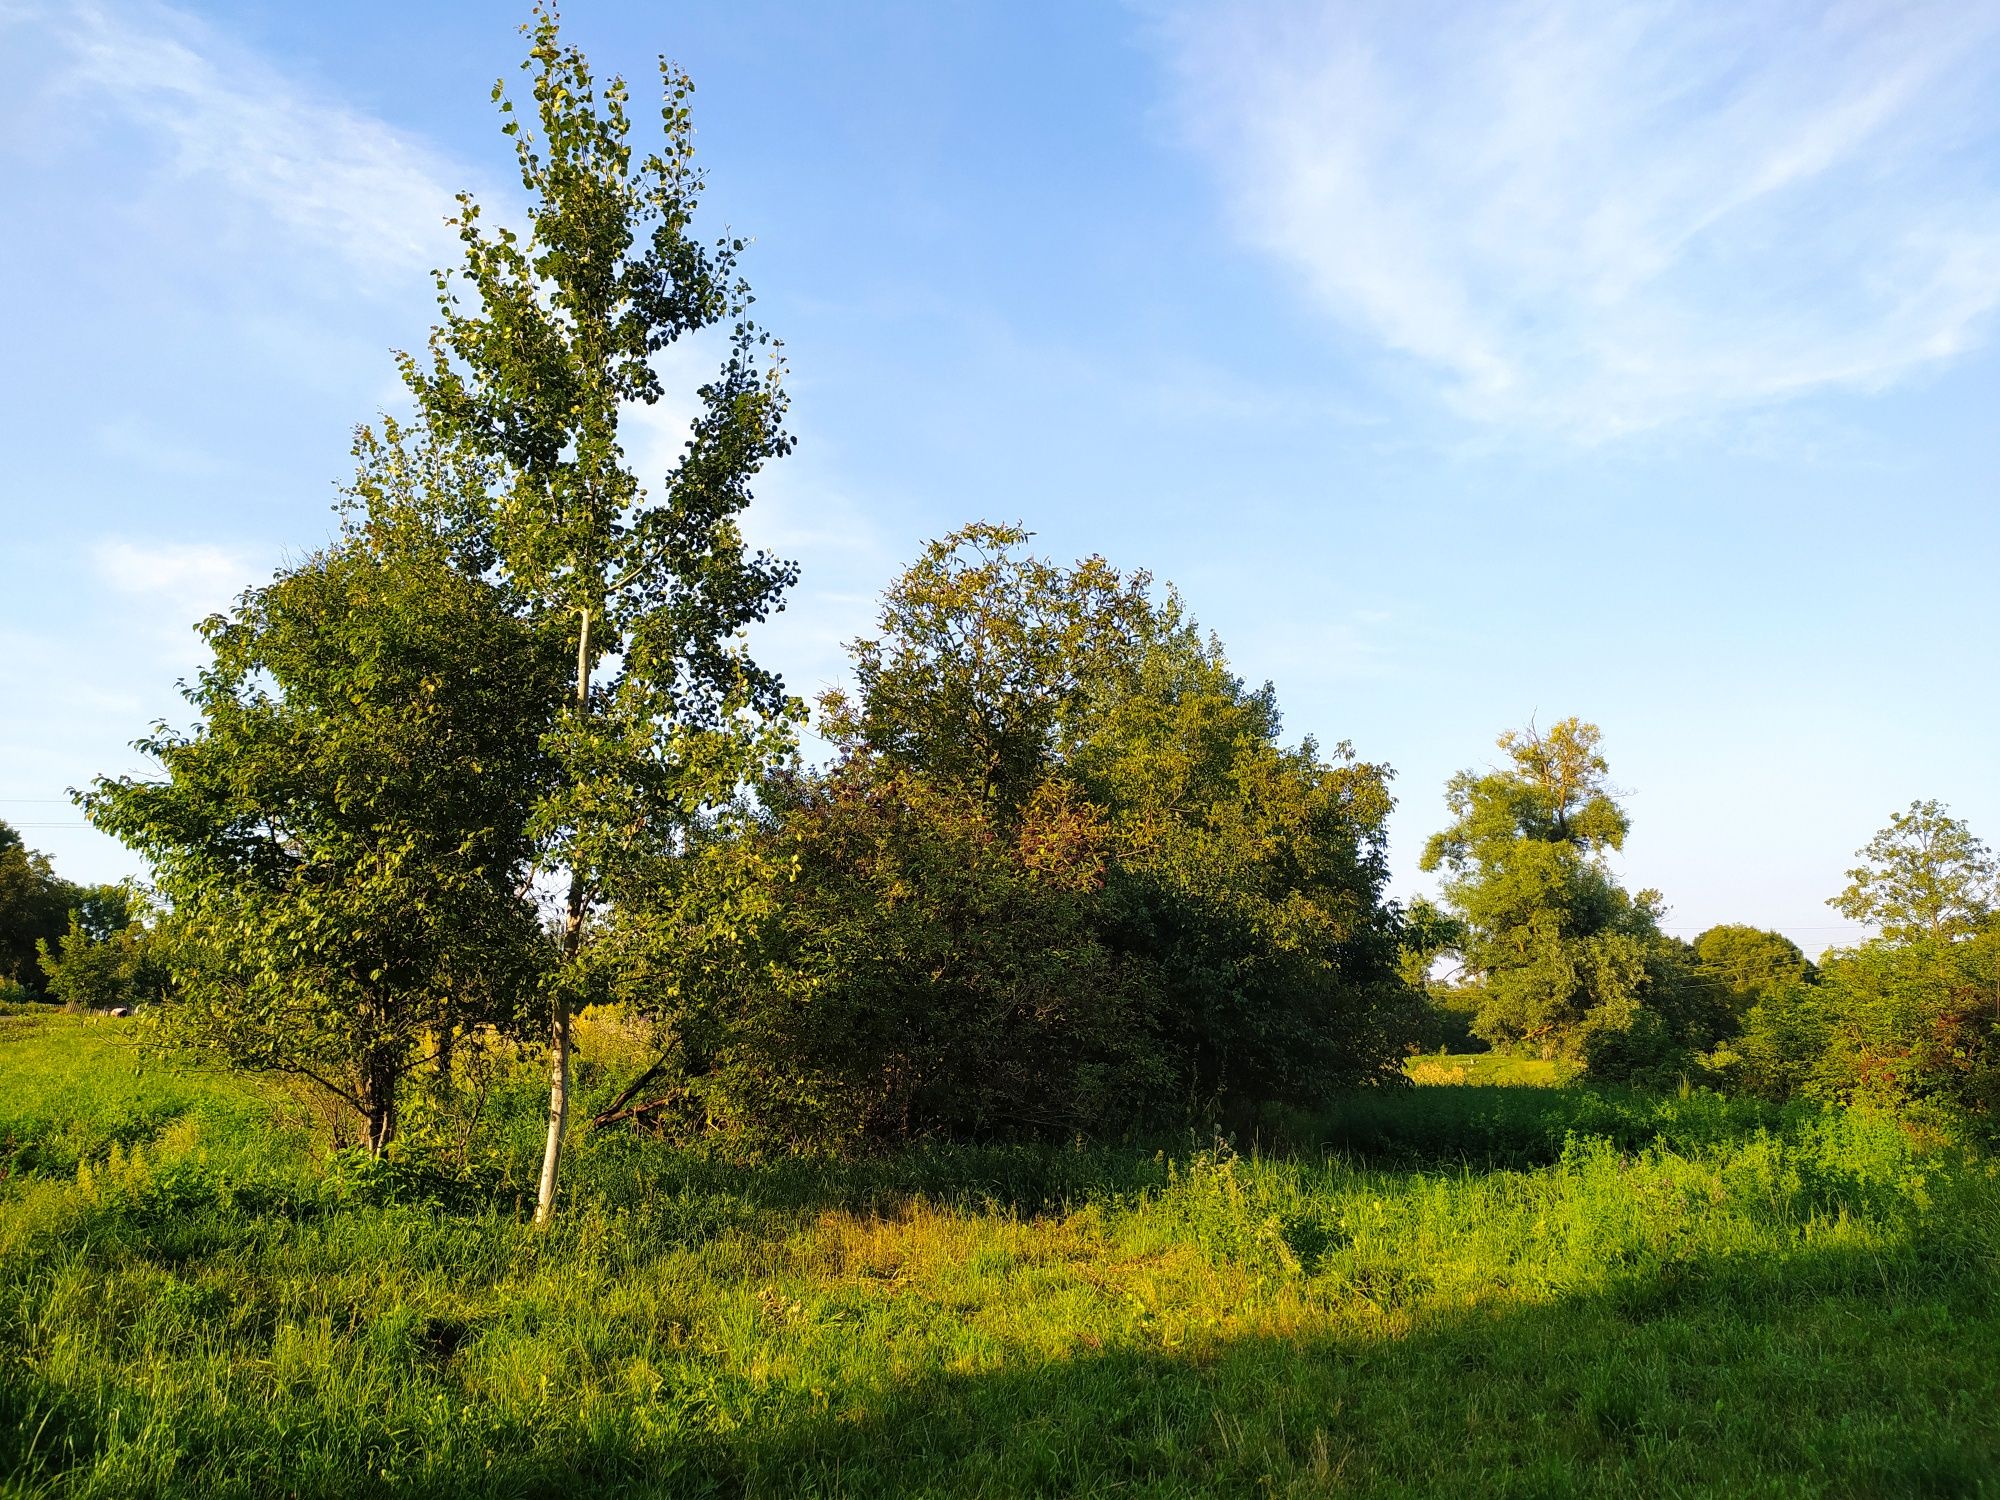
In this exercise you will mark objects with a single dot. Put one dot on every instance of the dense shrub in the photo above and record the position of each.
(921, 965)
(1062, 875)
(1912, 1025)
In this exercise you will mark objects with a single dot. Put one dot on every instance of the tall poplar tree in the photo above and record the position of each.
(545, 344)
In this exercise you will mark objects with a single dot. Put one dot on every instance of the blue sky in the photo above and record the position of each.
(1459, 363)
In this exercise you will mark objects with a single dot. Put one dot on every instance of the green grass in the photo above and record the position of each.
(71, 1087)
(1659, 1297)
(1488, 1068)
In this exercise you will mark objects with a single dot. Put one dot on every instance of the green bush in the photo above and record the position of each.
(1062, 876)
(1910, 1026)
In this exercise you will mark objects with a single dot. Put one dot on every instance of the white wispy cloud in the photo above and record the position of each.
(331, 178)
(1608, 215)
(187, 579)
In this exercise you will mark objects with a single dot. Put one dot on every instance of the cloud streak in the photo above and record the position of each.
(189, 579)
(1599, 216)
(329, 177)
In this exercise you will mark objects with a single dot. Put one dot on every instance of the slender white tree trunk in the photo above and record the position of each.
(545, 1196)
(559, 1037)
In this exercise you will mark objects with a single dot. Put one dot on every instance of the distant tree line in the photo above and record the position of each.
(1537, 946)
(86, 947)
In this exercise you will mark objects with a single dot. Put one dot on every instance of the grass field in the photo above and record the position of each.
(1477, 1290)
(1487, 1068)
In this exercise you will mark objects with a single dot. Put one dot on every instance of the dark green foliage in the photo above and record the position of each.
(35, 904)
(1062, 875)
(1445, 1005)
(1782, 1048)
(1443, 1019)
(1522, 1126)
(1910, 1020)
(1656, 1037)
(1633, 1043)
(1249, 875)
(1750, 963)
(921, 965)
(1912, 1025)
(341, 837)
(109, 956)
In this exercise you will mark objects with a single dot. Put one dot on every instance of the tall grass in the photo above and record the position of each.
(1662, 1297)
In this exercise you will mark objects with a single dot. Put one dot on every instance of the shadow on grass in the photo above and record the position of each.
(1460, 1127)
(1843, 1374)
(1822, 1374)
(1521, 1125)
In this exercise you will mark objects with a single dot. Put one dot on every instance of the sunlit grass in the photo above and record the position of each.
(1488, 1068)
(1753, 1304)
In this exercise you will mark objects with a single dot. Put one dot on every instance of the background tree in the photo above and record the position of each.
(1908, 1025)
(1558, 947)
(1431, 966)
(531, 374)
(341, 838)
(1923, 876)
(109, 956)
(1911, 1018)
(1750, 963)
(35, 904)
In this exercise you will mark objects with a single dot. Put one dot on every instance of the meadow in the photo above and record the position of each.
(1504, 1287)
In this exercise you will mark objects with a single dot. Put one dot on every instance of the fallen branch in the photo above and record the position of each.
(612, 1117)
(615, 1110)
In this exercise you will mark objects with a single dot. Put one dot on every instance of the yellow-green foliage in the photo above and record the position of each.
(1501, 1068)
(1800, 1307)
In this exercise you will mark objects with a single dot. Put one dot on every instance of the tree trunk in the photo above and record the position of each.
(379, 1099)
(545, 1195)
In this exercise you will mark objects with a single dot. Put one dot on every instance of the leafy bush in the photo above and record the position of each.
(1911, 1025)
(1061, 877)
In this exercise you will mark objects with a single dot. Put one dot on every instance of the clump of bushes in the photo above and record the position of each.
(1061, 875)
(1912, 1026)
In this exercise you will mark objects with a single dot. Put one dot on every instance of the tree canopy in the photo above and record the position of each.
(1061, 875)
(109, 955)
(1924, 875)
(1750, 963)
(1556, 944)
(342, 836)
(34, 905)
(1911, 1017)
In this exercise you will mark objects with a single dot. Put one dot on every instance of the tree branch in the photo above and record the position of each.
(611, 1113)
